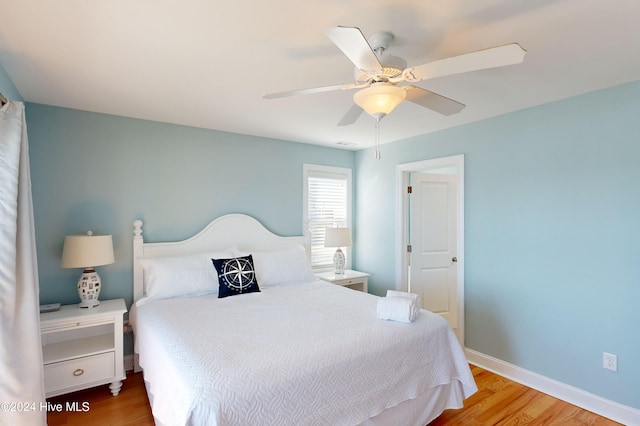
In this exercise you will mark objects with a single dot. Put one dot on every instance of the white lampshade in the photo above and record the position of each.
(379, 100)
(337, 237)
(87, 251)
(82, 251)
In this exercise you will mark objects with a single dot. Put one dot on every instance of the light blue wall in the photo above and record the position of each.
(100, 172)
(552, 231)
(7, 88)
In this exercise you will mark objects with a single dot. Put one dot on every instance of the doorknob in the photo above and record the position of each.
(454, 259)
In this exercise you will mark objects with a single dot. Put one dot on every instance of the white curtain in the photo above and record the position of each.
(21, 377)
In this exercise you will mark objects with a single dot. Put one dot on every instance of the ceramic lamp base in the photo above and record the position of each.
(338, 262)
(89, 288)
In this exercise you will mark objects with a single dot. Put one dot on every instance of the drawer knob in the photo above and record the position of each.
(78, 372)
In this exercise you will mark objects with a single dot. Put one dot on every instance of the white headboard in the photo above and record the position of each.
(232, 230)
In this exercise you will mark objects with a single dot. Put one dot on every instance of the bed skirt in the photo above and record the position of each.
(414, 412)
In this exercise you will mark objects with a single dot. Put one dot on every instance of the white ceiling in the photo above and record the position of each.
(207, 63)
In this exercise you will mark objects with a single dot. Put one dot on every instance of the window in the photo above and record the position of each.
(327, 203)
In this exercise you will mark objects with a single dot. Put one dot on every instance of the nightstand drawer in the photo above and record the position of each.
(79, 371)
(350, 279)
(54, 326)
(347, 282)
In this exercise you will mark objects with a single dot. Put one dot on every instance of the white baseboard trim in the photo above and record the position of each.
(128, 362)
(615, 411)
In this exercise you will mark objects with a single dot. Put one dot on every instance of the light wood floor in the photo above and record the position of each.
(498, 402)
(129, 408)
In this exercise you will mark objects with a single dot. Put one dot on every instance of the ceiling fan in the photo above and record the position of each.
(379, 75)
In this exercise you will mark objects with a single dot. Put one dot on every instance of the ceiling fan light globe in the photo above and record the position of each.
(379, 100)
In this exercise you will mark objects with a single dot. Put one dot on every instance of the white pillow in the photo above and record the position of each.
(166, 277)
(281, 267)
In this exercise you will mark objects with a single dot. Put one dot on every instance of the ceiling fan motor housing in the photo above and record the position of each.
(392, 66)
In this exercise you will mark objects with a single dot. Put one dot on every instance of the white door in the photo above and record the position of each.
(432, 233)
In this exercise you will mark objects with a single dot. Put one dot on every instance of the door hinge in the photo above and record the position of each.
(409, 189)
(408, 248)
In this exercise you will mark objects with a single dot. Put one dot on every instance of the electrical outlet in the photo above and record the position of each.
(609, 361)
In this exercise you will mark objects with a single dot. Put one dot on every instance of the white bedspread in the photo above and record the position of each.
(310, 354)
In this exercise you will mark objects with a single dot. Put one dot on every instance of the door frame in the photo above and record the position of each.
(402, 224)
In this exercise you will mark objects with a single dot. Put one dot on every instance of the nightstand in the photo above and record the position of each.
(83, 347)
(352, 279)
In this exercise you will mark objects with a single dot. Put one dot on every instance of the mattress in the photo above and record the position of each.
(308, 354)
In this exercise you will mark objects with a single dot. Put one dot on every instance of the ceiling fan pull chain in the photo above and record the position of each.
(377, 139)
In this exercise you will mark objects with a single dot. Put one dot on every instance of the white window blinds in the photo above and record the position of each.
(327, 198)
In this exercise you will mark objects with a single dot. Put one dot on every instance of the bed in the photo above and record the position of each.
(297, 351)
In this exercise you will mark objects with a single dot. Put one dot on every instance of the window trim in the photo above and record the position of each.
(308, 169)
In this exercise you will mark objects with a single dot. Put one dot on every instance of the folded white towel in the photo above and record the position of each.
(402, 309)
(412, 296)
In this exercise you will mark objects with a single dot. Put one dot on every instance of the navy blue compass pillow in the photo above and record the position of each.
(236, 276)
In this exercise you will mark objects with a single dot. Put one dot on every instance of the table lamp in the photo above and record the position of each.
(338, 237)
(87, 251)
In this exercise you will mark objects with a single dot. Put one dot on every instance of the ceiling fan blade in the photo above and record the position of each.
(353, 44)
(433, 101)
(345, 86)
(351, 115)
(509, 54)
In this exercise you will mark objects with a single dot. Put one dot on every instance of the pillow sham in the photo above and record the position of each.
(236, 276)
(173, 276)
(288, 266)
